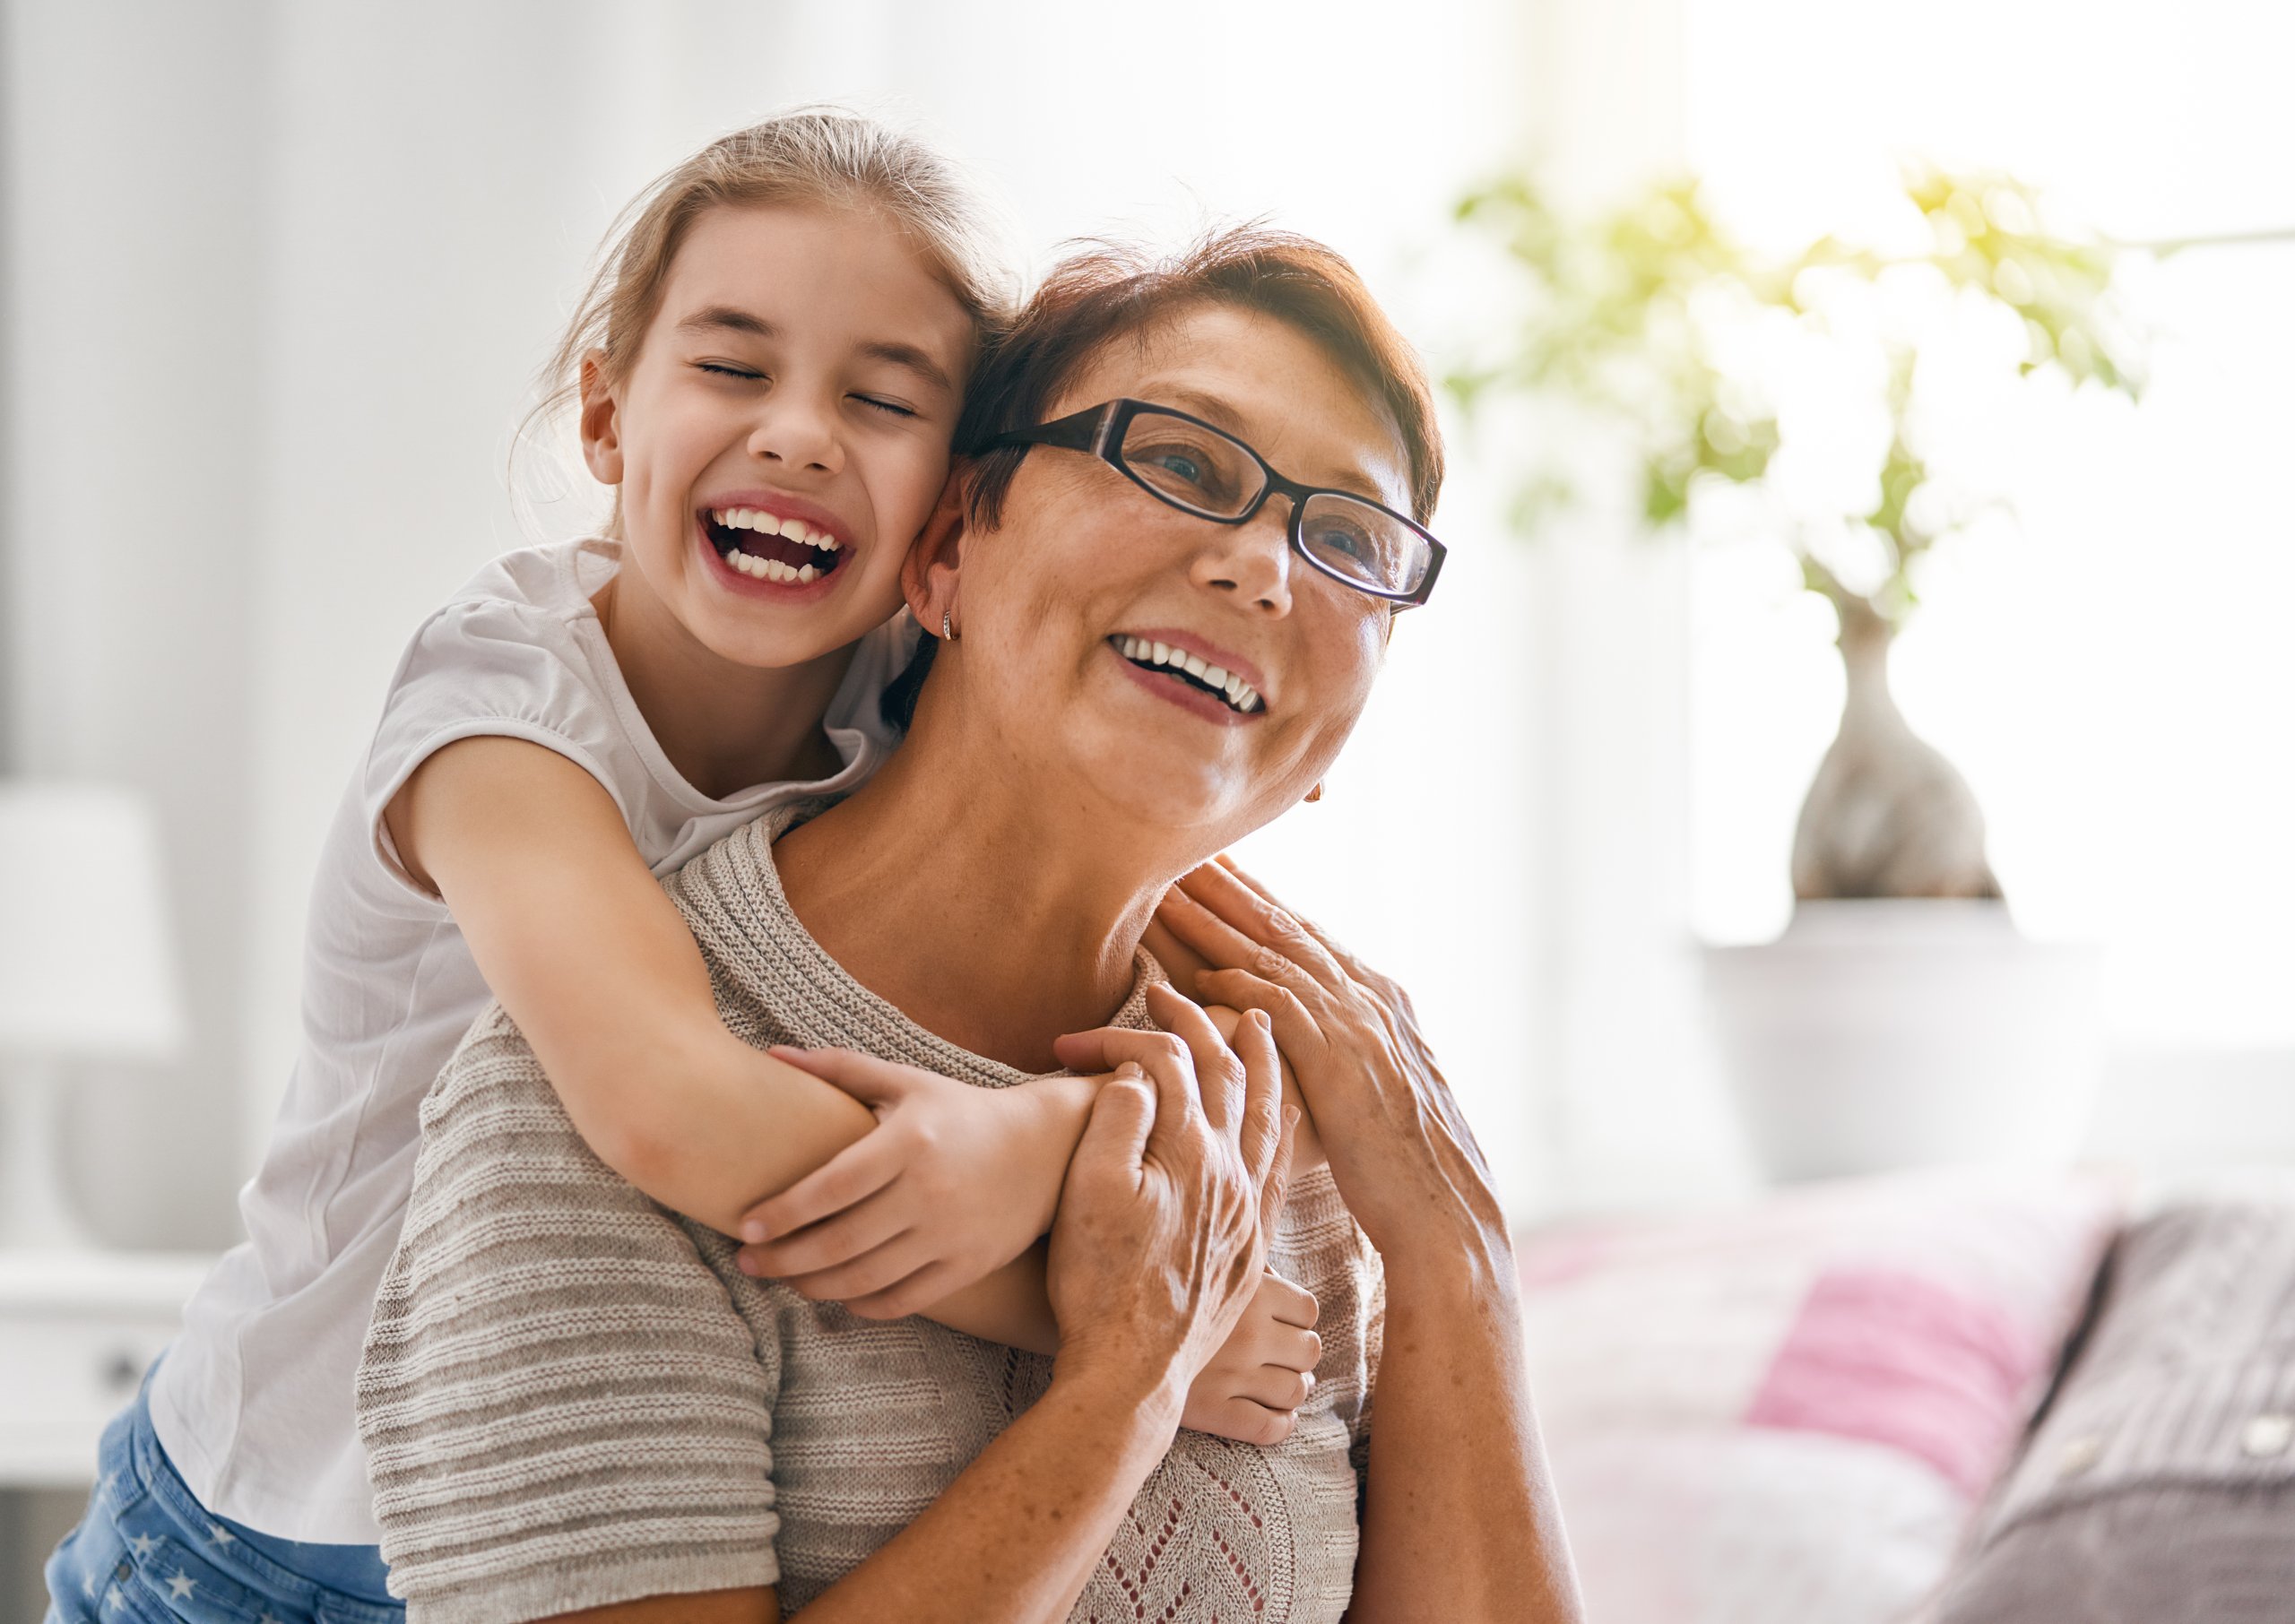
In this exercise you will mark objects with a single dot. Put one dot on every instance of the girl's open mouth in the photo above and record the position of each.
(765, 548)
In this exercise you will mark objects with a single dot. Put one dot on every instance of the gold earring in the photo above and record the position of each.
(1317, 792)
(947, 632)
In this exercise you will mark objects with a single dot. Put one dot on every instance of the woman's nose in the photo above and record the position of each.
(799, 434)
(1250, 561)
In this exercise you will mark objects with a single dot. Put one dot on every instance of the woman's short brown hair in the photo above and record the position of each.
(1108, 291)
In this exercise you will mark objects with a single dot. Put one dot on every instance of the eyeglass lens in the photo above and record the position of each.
(1206, 472)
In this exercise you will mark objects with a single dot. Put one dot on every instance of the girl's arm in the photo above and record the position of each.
(595, 965)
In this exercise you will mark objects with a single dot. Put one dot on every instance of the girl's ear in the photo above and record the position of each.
(600, 422)
(928, 576)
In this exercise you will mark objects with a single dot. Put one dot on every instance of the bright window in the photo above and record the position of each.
(2115, 675)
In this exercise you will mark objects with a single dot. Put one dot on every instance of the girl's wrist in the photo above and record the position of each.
(1063, 1106)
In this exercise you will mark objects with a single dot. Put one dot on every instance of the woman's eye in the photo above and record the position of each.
(1181, 462)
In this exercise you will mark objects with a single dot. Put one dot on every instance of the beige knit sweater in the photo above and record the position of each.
(572, 1397)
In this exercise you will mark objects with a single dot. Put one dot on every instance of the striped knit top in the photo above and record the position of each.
(572, 1397)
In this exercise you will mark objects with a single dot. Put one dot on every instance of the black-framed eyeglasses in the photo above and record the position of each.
(1206, 472)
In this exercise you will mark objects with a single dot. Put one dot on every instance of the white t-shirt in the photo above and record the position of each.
(253, 1403)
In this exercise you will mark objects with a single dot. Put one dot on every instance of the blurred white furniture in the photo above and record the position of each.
(77, 1331)
(86, 972)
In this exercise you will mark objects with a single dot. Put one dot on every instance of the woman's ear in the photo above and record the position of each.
(928, 576)
(600, 422)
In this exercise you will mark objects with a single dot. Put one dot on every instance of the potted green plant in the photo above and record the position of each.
(1901, 1018)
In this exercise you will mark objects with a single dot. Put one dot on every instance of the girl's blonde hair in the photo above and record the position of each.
(812, 155)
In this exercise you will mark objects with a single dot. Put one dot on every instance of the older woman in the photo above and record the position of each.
(1152, 642)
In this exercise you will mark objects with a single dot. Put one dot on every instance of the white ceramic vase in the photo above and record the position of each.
(1907, 1032)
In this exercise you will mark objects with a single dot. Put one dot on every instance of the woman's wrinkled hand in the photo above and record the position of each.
(1400, 1148)
(1161, 1234)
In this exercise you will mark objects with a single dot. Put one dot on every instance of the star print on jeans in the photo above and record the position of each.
(142, 1544)
(179, 1587)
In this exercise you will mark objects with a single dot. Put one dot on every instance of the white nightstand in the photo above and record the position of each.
(77, 1332)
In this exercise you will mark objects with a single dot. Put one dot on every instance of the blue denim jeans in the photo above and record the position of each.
(148, 1553)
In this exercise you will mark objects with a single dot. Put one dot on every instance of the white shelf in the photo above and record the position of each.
(77, 1331)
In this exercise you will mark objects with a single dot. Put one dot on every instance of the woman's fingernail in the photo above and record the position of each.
(748, 1264)
(753, 1231)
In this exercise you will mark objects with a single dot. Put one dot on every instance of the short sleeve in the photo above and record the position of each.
(488, 667)
(562, 1409)
(1358, 1429)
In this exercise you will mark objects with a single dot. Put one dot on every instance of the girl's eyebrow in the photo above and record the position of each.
(728, 318)
(732, 318)
(911, 359)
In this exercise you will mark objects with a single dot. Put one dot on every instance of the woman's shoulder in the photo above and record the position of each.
(553, 1371)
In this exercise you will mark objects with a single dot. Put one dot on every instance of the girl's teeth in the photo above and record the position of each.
(765, 524)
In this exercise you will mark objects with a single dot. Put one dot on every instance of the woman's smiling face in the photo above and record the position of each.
(1054, 606)
(783, 431)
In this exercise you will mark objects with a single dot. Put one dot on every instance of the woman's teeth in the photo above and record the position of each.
(1239, 695)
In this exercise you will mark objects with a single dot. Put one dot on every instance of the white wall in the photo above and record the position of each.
(134, 139)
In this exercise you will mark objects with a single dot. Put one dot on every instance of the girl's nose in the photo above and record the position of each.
(1251, 561)
(799, 434)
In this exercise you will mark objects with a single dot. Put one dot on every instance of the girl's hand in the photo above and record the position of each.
(953, 1182)
(1253, 1386)
(1400, 1148)
(1163, 1228)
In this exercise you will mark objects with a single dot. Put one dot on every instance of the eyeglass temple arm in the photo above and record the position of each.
(1079, 431)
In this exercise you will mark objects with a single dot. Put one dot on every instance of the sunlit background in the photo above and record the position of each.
(277, 278)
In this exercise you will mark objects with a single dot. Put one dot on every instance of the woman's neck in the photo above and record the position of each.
(981, 911)
(724, 726)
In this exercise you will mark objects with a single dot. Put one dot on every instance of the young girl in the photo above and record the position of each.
(768, 368)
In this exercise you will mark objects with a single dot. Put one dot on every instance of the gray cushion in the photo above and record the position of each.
(2160, 1482)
